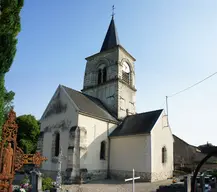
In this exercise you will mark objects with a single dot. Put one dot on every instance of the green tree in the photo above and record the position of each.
(28, 133)
(8, 102)
(9, 29)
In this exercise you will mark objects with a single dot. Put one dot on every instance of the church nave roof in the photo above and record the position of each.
(140, 123)
(89, 105)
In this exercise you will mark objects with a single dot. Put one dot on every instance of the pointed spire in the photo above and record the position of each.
(111, 39)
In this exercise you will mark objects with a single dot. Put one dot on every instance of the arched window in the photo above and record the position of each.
(126, 73)
(102, 75)
(57, 144)
(102, 150)
(164, 155)
(99, 76)
(104, 72)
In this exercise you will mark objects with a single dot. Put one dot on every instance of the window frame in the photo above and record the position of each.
(103, 150)
(163, 155)
(57, 144)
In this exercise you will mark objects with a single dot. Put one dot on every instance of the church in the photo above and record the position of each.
(98, 130)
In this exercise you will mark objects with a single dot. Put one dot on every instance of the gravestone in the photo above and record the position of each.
(36, 180)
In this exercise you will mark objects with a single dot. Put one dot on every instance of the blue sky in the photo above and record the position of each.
(174, 42)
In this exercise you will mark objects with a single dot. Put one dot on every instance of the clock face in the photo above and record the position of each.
(126, 67)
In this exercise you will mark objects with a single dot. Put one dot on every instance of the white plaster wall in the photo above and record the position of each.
(131, 152)
(127, 95)
(53, 123)
(127, 100)
(161, 136)
(97, 131)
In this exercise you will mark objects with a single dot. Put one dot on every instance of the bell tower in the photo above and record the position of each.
(110, 76)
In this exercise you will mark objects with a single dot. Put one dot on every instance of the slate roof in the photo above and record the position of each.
(137, 124)
(111, 38)
(187, 151)
(89, 105)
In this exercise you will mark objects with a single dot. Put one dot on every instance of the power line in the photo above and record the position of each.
(186, 90)
(193, 85)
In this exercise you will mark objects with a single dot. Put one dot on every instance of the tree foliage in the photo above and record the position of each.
(8, 102)
(207, 148)
(9, 29)
(2, 88)
(28, 133)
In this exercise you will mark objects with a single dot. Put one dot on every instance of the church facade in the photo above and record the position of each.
(98, 128)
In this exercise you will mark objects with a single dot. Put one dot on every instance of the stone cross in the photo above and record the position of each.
(113, 11)
(133, 179)
(59, 177)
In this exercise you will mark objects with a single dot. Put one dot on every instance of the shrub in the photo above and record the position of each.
(47, 183)
(214, 174)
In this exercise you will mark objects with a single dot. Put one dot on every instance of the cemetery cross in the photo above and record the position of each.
(133, 179)
(59, 177)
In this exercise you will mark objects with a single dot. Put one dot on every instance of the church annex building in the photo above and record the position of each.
(98, 128)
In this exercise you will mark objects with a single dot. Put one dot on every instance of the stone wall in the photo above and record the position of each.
(94, 175)
(85, 175)
(161, 176)
(172, 188)
(145, 176)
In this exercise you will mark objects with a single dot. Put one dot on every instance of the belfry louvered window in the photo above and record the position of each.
(99, 76)
(102, 75)
(126, 77)
(126, 73)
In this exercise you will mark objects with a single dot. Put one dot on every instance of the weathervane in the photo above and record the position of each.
(113, 11)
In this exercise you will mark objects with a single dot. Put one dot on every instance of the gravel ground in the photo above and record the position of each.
(114, 186)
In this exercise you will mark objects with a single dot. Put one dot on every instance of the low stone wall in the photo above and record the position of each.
(144, 176)
(91, 175)
(172, 188)
(161, 176)
(86, 175)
